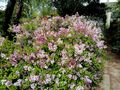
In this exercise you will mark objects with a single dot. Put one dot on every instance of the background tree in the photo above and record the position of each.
(35, 8)
(83, 7)
(113, 33)
(18, 13)
(8, 15)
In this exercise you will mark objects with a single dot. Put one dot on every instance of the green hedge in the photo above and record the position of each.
(114, 36)
(70, 7)
(113, 33)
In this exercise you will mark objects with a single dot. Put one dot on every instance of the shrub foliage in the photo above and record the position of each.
(113, 33)
(83, 7)
(55, 53)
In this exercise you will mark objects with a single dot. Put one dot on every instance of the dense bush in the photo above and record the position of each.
(69, 7)
(53, 53)
(114, 36)
(115, 9)
(113, 33)
(83, 7)
(36, 8)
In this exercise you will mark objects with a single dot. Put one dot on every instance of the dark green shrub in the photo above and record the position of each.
(114, 36)
(70, 7)
(96, 9)
(115, 9)
(113, 33)
(34, 8)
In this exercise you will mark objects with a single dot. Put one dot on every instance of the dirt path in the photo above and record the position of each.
(111, 77)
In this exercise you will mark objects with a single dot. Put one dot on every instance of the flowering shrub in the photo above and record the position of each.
(60, 53)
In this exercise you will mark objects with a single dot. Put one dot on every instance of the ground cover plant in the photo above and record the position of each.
(53, 53)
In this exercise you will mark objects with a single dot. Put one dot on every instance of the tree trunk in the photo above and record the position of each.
(19, 12)
(7, 18)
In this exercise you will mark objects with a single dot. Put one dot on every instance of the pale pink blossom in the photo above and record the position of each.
(41, 54)
(72, 63)
(27, 68)
(34, 78)
(72, 86)
(42, 64)
(25, 57)
(79, 48)
(38, 32)
(47, 79)
(16, 29)
(79, 65)
(18, 83)
(100, 44)
(70, 76)
(40, 39)
(64, 54)
(32, 56)
(63, 31)
(78, 25)
(14, 58)
(52, 46)
(80, 88)
(74, 77)
(33, 86)
(88, 81)
(51, 33)
(8, 83)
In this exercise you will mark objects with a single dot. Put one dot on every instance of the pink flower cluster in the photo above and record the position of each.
(52, 46)
(15, 57)
(60, 53)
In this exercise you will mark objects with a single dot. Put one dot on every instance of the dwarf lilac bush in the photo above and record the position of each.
(62, 53)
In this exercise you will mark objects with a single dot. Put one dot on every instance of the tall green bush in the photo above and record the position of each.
(69, 6)
(114, 36)
(115, 9)
(34, 8)
(113, 33)
(83, 7)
